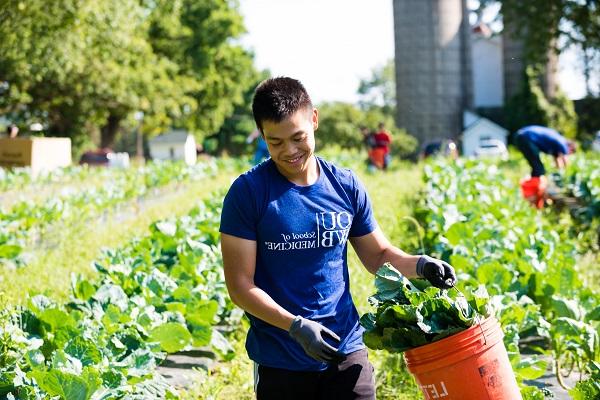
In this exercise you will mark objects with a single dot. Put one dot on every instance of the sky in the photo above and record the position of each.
(330, 45)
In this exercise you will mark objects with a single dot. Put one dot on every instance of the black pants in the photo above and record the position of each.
(532, 154)
(351, 379)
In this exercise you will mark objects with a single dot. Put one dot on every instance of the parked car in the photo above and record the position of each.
(439, 147)
(105, 158)
(491, 148)
(97, 157)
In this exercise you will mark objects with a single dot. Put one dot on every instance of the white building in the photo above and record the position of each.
(479, 132)
(488, 76)
(177, 144)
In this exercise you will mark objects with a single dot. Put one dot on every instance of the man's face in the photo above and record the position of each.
(291, 142)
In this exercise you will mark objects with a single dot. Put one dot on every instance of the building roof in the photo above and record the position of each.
(174, 136)
(483, 123)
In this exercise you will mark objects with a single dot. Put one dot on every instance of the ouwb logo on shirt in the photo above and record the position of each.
(332, 229)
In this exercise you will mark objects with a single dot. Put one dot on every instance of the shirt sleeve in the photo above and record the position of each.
(364, 222)
(238, 217)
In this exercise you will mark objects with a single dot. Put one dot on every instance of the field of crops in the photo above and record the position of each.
(104, 273)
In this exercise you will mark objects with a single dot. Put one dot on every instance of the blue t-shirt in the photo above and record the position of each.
(546, 139)
(301, 234)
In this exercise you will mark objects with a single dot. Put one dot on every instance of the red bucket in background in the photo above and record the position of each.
(532, 191)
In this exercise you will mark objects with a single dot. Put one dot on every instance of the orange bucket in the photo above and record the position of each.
(531, 190)
(470, 365)
(377, 157)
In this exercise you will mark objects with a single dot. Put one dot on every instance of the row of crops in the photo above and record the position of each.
(23, 178)
(165, 292)
(26, 223)
(475, 219)
(154, 296)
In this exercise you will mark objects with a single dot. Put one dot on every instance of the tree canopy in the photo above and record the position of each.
(543, 24)
(83, 67)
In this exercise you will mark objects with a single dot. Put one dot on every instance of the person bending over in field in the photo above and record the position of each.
(533, 139)
(285, 228)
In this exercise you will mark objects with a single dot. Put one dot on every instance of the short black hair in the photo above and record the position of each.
(275, 99)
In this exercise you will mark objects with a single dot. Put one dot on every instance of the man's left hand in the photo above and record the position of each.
(439, 273)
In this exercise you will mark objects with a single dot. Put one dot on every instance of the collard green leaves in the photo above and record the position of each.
(408, 316)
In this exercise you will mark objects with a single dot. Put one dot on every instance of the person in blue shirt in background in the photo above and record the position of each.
(261, 153)
(285, 228)
(533, 139)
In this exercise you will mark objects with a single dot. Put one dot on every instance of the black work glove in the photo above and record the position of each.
(439, 273)
(310, 336)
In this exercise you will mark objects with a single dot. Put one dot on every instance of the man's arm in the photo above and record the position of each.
(560, 160)
(374, 250)
(239, 262)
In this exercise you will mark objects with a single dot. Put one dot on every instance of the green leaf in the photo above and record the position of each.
(222, 345)
(85, 351)
(167, 228)
(67, 386)
(84, 290)
(531, 368)
(10, 251)
(532, 393)
(112, 294)
(56, 318)
(593, 315)
(565, 307)
(458, 232)
(202, 312)
(172, 336)
(201, 334)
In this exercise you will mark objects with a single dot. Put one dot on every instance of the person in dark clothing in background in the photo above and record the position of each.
(533, 140)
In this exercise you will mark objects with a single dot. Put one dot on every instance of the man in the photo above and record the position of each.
(284, 231)
(533, 139)
(261, 151)
(381, 150)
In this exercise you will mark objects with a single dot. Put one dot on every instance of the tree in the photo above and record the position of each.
(80, 65)
(197, 35)
(380, 89)
(340, 123)
(84, 67)
(232, 135)
(531, 106)
(541, 23)
(554, 25)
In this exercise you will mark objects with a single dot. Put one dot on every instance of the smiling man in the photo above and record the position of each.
(285, 228)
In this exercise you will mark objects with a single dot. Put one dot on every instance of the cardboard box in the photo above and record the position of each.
(41, 154)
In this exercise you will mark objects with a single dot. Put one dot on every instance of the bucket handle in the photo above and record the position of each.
(477, 315)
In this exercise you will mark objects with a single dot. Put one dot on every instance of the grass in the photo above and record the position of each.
(76, 247)
(393, 194)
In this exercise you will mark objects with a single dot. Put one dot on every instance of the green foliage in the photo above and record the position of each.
(531, 106)
(339, 123)
(26, 219)
(380, 89)
(411, 314)
(232, 135)
(161, 293)
(588, 389)
(84, 67)
(589, 117)
(476, 219)
(541, 24)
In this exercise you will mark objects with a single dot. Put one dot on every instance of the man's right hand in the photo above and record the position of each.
(309, 334)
